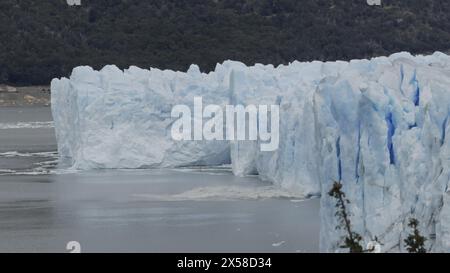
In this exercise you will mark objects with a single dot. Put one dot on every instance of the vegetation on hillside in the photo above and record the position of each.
(40, 40)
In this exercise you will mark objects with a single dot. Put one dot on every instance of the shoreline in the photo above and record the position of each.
(25, 96)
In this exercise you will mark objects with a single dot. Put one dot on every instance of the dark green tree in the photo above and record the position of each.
(415, 243)
(352, 240)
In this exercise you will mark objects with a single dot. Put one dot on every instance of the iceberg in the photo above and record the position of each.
(381, 127)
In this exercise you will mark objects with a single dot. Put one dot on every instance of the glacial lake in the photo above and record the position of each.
(44, 206)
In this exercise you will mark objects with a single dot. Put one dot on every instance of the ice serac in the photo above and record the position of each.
(122, 119)
(382, 132)
(293, 165)
(379, 126)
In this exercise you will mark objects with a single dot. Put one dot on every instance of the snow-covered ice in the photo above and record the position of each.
(380, 126)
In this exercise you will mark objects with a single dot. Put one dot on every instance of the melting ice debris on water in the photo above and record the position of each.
(27, 125)
(278, 244)
(46, 164)
(10, 154)
(210, 170)
(47, 168)
(380, 126)
(224, 193)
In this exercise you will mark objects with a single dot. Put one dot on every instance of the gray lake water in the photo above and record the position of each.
(43, 206)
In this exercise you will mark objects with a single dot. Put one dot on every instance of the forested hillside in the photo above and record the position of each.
(40, 40)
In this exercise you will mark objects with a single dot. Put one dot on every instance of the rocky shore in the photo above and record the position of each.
(24, 96)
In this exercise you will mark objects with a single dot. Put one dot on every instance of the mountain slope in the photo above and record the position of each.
(40, 40)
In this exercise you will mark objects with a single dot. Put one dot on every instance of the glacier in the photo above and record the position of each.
(380, 126)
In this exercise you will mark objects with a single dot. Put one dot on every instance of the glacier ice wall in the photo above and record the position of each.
(379, 126)
(382, 130)
(121, 119)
